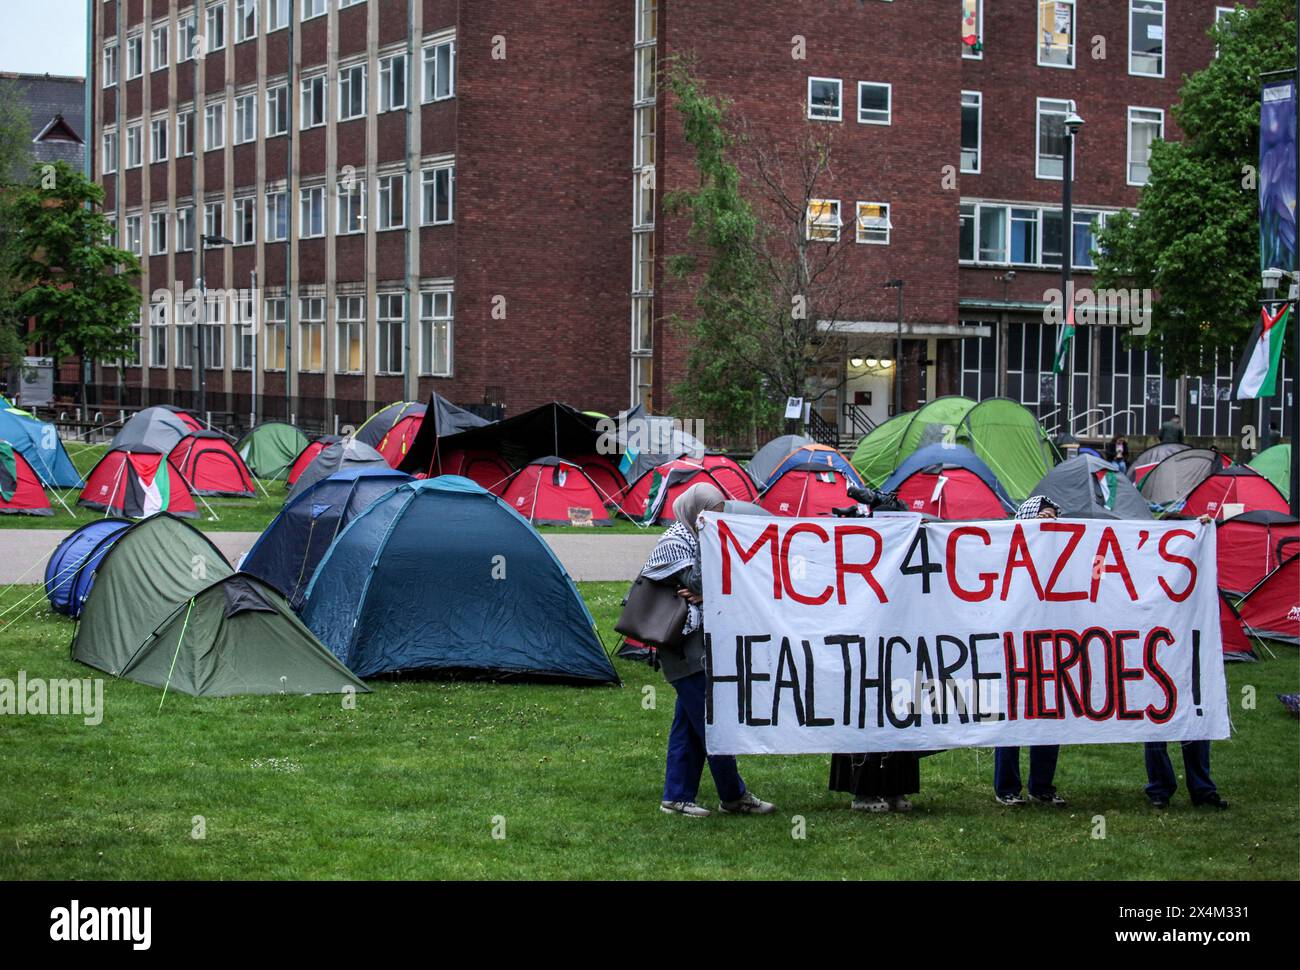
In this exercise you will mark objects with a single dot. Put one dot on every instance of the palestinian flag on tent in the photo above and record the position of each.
(1257, 370)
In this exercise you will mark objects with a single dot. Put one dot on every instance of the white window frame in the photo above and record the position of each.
(246, 20)
(213, 333)
(391, 213)
(889, 108)
(839, 106)
(1074, 32)
(244, 223)
(243, 337)
(214, 21)
(214, 123)
(969, 52)
(428, 326)
(349, 75)
(274, 323)
(429, 178)
(135, 137)
(111, 65)
(185, 227)
(278, 13)
(214, 218)
(276, 96)
(135, 43)
(158, 145)
(133, 230)
(272, 209)
(311, 200)
(978, 104)
(429, 68)
(187, 32)
(349, 319)
(810, 221)
(157, 239)
(861, 229)
(355, 197)
(185, 119)
(1128, 141)
(313, 8)
(1164, 37)
(109, 148)
(386, 323)
(245, 126)
(389, 72)
(1038, 138)
(306, 323)
(313, 90)
(159, 34)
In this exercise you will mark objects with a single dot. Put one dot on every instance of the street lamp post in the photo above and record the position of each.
(201, 377)
(897, 284)
(1072, 125)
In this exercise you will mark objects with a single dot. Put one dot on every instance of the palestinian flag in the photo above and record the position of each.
(1063, 339)
(1257, 371)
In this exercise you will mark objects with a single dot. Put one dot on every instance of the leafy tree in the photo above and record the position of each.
(15, 161)
(1196, 242)
(82, 291)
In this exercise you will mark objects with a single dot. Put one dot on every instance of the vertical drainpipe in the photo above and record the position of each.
(88, 119)
(291, 250)
(411, 381)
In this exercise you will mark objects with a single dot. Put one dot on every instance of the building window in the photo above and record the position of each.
(352, 92)
(273, 317)
(312, 8)
(134, 57)
(972, 28)
(1220, 15)
(966, 235)
(245, 19)
(313, 101)
(1145, 125)
(158, 233)
(437, 188)
(214, 219)
(158, 47)
(647, 21)
(214, 126)
(873, 223)
(214, 333)
(1024, 236)
(1146, 38)
(184, 345)
(1049, 162)
(643, 262)
(1056, 33)
(992, 234)
(350, 333)
(643, 325)
(245, 335)
(311, 333)
(245, 221)
(185, 133)
(436, 318)
(134, 146)
(110, 153)
(349, 3)
(186, 37)
(824, 98)
(158, 140)
(158, 336)
(185, 229)
(110, 65)
(392, 201)
(311, 211)
(214, 35)
(245, 118)
(277, 216)
(352, 207)
(645, 70)
(824, 220)
(645, 137)
(440, 71)
(392, 82)
(874, 103)
(972, 109)
(388, 333)
(277, 14)
(277, 110)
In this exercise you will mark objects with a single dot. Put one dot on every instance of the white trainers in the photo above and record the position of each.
(747, 804)
(689, 809)
(870, 805)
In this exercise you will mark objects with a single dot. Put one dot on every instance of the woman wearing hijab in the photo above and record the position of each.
(1042, 757)
(675, 561)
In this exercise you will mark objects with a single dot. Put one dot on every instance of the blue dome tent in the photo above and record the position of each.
(70, 573)
(38, 442)
(441, 576)
(948, 454)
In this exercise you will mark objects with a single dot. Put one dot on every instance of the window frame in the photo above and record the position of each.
(430, 322)
(839, 105)
(274, 110)
(979, 134)
(210, 110)
(385, 210)
(1074, 31)
(429, 177)
(384, 323)
(1038, 138)
(1128, 142)
(245, 132)
(316, 84)
(162, 30)
(1164, 31)
(429, 63)
(889, 107)
(859, 229)
(387, 74)
(348, 75)
(214, 16)
(304, 223)
(346, 320)
(810, 221)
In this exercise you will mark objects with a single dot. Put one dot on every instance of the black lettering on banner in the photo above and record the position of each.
(1123, 674)
(925, 567)
(947, 670)
(1196, 671)
(1018, 675)
(747, 711)
(1085, 668)
(785, 662)
(977, 678)
(865, 682)
(842, 641)
(887, 678)
(809, 694)
(713, 677)
(1066, 691)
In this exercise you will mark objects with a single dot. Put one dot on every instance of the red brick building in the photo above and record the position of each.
(435, 194)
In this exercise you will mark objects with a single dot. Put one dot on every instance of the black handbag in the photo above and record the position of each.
(653, 614)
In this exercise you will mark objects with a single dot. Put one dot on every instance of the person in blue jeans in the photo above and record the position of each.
(675, 562)
(1162, 783)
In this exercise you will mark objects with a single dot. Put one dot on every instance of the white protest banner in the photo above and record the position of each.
(842, 635)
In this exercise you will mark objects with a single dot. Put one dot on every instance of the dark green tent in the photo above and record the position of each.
(154, 566)
(238, 636)
(269, 449)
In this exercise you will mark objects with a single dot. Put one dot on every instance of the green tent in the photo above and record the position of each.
(153, 567)
(1275, 465)
(238, 636)
(885, 448)
(875, 457)
(1009, 439)
(269, 449)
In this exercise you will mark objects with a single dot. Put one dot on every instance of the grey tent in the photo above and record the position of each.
(1175, 477)
(772, 454)
(1153, 456)
(153, 567)
(238, 636)
(157, 429)
(341, 454)
(646, 441)
(1088, 487)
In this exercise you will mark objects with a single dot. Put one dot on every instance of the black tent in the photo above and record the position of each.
(552, 429)
(441, 420)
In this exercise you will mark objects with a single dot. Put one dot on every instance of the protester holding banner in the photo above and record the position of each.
(675, 561)
(1042, 757)
(877, 782)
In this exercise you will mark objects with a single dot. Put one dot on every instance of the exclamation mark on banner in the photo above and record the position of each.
(1196, 671)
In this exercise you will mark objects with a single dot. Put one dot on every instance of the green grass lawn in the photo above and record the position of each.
(411, 783)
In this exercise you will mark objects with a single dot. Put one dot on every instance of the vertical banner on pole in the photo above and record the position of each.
(1277, 175)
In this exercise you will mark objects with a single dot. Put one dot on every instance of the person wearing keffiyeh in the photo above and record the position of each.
(675, 561)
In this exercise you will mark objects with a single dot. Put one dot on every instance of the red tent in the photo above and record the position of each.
(604, 474)
(487, 468)
(1272, 609)
(396, 442)
(551, 491)
(1248, 547)
(211, 466)
(20, 489)
(308, 455)
(186, 417)
(953, 493)
(655, 492)
(135, 484)
(1233, 484)
(1236, 646)
(806, 490)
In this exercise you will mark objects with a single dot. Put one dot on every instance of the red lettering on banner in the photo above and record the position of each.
(768, 535)
(786, 578)
(1108, 547)
(1018, 557)
(1174, 558)
(969, 595)
(865, 570)
(1076, 531)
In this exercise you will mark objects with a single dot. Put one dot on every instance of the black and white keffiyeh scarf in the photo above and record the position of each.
(678, 548)
(1031, 506)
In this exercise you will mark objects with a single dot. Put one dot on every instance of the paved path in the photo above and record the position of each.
(615, 556)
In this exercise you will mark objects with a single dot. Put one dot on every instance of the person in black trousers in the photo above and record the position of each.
(1162, 783)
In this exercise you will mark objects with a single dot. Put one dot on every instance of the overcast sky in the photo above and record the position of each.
(43, 36)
